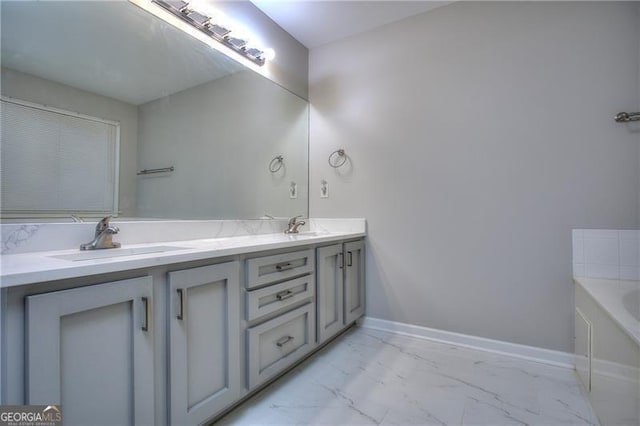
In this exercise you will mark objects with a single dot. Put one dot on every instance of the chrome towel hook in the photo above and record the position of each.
(625, 117)
(276, 163)
(337, 158)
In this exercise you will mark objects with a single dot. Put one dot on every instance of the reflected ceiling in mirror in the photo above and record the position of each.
(178, 102)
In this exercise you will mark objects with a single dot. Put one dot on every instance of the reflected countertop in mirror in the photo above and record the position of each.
(172, 101)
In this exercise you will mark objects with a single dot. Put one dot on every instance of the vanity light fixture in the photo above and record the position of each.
(216, 31)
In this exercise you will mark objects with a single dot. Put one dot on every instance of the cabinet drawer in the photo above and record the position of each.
(270, 299)
(278, 343)
(264, 270)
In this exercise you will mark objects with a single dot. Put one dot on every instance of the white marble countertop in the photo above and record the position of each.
(611, 295)
(34, 267)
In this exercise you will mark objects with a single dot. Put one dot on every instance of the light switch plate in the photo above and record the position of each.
(293, 190)
(324, 189)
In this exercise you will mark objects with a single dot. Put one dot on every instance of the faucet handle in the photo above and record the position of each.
(292, 221)
(103, 224)
(112, 229)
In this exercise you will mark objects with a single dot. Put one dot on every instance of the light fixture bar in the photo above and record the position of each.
(217, 32)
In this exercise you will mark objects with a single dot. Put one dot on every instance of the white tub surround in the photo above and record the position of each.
(607, 346)
(31, 251)
(606, 253)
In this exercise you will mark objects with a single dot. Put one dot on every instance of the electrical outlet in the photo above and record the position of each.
(324, 189)
(293, 190)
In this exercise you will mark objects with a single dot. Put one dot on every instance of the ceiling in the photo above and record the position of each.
(316, 22)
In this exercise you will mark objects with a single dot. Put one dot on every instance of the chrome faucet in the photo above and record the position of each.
(103, 237)
(292, 226)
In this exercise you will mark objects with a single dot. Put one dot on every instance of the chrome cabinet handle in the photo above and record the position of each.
(284, 266)
(283, 341)
(180, 315)
(147, 314)
(283, 295)
(341, 263)
(350, 261)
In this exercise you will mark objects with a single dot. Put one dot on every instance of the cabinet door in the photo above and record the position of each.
(354, 281)
(330, 265)
(91, 350)
(204, 342)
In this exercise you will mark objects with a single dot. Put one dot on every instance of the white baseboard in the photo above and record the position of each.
(529, 353)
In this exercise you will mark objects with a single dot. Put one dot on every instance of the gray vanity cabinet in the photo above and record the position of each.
(91, 350)
(340, 287)
(204, 342)
(175, 344)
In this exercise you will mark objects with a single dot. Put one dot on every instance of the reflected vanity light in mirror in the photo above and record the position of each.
(192, 13)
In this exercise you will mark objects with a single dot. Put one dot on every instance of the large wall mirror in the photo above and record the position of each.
(109, 109)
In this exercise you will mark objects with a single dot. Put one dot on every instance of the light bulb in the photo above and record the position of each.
(269, 54)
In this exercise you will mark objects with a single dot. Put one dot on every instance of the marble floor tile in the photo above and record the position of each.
(373, 377)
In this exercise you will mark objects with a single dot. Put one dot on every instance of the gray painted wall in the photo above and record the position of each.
(479, 135)
(34, 89)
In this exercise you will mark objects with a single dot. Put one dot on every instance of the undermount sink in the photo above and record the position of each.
(117, 252)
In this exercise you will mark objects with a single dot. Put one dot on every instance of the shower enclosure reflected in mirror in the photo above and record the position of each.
(96, 96)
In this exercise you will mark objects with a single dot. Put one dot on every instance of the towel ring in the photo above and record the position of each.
(337, 158)
(276, 164)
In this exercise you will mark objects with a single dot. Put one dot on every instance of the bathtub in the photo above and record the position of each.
(620, 299)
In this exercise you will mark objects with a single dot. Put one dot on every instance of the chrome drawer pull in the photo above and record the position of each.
(147, 314)
(284, 295)
(341, 264)
(284, 266)
(350, 261)
(283, 341)
(180, 315)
